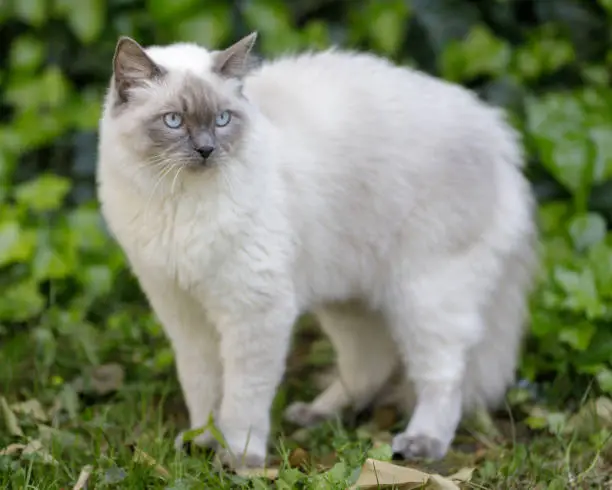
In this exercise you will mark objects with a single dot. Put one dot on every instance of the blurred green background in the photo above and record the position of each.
(66, 298)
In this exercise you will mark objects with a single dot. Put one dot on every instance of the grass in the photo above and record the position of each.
(120, 432)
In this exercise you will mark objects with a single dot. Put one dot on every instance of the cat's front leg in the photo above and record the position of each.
(195, 342)
(254, 345)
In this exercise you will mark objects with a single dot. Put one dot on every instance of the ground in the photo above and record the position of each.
(113, 427)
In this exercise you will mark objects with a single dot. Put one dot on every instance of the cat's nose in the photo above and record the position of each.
(205, 151)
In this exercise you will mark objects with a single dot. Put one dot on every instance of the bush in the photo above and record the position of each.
(65, 287)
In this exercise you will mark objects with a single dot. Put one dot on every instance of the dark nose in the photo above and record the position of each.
(205, 151)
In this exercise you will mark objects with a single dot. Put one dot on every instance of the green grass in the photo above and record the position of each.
(82, 428)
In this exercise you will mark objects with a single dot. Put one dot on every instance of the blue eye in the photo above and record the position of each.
(173, 120)
(223, 118)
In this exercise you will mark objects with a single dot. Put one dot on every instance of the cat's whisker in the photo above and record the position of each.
(178, 172)
(163, 174)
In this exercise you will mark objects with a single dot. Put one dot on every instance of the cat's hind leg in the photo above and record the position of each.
(366, 358)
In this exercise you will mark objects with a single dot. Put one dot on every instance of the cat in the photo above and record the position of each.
(388, 202)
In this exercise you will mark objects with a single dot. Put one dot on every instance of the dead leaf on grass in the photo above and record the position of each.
(380, 474)
(269, 473)
(592, 416)
(298, 458)
(12, 449)
(81, 483)
(10, 419)
(35, 448)
(32, 407)
(101, 380)
(139, 456)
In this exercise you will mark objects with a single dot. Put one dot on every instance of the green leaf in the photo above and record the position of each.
(586, 230)
(578, 336)
(386, 24)
(209, 28)
(604, 378)
(16, 244)
(27, 53)
(384, 452)
(31, 11)
(600, 259)
(49, 264)
(44, 193)
(20, 302)
(164, 11)
(85, 17)
(581, 291)
(481, 53)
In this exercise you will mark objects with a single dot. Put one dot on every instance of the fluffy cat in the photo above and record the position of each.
(388, 202)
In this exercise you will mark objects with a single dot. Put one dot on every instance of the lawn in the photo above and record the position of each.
(113, 425)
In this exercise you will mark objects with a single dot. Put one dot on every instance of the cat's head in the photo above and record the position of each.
(179, 105)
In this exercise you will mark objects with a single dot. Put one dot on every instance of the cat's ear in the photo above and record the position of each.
(131, 65)
(233, 62)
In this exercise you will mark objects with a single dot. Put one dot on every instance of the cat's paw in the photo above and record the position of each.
(232, 452)
(419, 446)
(302, 414)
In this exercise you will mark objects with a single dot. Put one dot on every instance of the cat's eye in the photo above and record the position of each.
(223, 119)
(173, 120)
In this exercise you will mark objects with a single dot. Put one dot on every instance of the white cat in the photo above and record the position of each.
(388, 202)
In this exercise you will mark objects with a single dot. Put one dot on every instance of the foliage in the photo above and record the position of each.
(67, 299)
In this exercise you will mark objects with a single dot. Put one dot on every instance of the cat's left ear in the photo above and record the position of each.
(233, 62)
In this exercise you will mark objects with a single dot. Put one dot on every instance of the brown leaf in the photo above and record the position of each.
(12, 449)
(298, 458)
(33, 408)
(10, 420)
(269, 473)
(81, 483)
(35, 447)
(380, 475)
(102, 380)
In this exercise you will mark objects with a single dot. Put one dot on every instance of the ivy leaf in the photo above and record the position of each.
(44, 193)
(578, 336)
(85, 17)
(21, 301)
(586, 230)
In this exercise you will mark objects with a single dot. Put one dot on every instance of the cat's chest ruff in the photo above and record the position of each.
(176, 238)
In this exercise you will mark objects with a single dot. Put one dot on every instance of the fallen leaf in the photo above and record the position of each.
(269, 473)
(592, 416)
(12, 449)
(52, 436)
(462, 476)
(10, 420)
(33, 408)
(139, 456)
(81, 483)
(101, 380)
(380, 474)
(35, 448)
(298, 458)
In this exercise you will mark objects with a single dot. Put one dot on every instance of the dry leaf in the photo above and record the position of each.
(298, 458)
(269, 473)
(593, 416)
(143, 458)
(81, 483)
(10, 420)
(101, 380)
(462, 476)
(380, 474)
(12, 449)
(36, 447)
(32, 408)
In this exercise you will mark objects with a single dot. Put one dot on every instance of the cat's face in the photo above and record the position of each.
(179, 106)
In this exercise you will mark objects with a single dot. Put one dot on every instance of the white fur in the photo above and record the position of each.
(390, 203)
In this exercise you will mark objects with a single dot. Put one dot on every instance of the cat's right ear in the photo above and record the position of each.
(131, 65)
